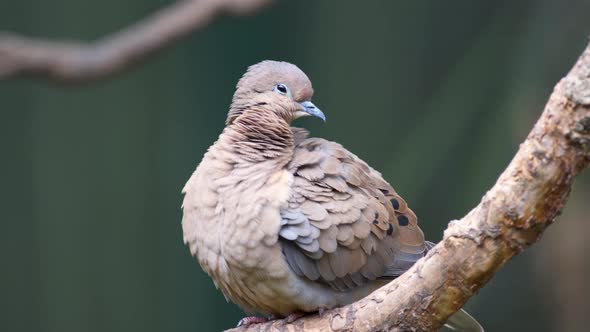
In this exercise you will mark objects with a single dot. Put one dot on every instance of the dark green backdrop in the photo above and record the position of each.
(437, 95)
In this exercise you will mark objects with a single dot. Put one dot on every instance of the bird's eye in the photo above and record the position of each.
(281, 88)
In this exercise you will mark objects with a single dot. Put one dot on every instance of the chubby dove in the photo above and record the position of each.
(288, 224)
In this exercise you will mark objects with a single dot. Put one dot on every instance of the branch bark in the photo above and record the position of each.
(70, 61)
(512, 215)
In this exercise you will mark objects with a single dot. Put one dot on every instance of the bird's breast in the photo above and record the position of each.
(249, 244)
(250, 216)
(231, 223)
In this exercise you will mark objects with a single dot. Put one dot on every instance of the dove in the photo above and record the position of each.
(286, 224)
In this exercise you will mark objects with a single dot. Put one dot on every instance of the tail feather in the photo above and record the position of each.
(403, 261)
(463, 322)
(460, 321)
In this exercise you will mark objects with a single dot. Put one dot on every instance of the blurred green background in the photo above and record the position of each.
(436, 95)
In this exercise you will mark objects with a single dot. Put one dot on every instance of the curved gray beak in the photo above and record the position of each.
(310, 109)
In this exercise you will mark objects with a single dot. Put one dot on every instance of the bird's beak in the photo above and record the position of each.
(309, 108)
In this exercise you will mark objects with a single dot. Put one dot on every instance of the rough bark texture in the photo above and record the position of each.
(70, 61)
(526, 198)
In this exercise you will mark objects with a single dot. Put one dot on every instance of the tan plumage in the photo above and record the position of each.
(355, 217)
(284, 223)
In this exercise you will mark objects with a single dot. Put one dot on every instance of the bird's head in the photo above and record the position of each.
(278, 86)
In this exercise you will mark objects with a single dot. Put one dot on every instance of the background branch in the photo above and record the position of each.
(75, 61)
(526, 198)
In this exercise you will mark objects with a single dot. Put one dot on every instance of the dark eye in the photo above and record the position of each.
(281, 88)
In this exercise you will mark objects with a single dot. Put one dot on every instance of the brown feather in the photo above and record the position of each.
(350, 205)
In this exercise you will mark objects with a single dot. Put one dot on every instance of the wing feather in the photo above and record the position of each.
(344, 225)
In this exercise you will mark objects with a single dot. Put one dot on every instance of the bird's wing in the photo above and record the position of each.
(344, 225)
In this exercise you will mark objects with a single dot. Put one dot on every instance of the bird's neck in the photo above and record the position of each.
(259, 135)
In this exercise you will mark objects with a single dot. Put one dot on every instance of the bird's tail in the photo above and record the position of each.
(461, 321)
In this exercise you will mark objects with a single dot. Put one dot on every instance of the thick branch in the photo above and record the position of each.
(75, 61)
(511, 216)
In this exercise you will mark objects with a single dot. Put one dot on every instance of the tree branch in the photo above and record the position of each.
(511, 216)
(75, 61)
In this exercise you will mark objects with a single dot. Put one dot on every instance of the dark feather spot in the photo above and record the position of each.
(403, 220)
(395, 203)
(389, 229)
(384, 191)
(375, 221)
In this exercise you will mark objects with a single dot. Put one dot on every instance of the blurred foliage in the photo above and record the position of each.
(436, 95)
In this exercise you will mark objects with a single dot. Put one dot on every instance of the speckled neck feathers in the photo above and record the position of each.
(259, 135)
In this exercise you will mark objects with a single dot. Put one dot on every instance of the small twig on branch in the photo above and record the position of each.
(511, 216)
(75, 61)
